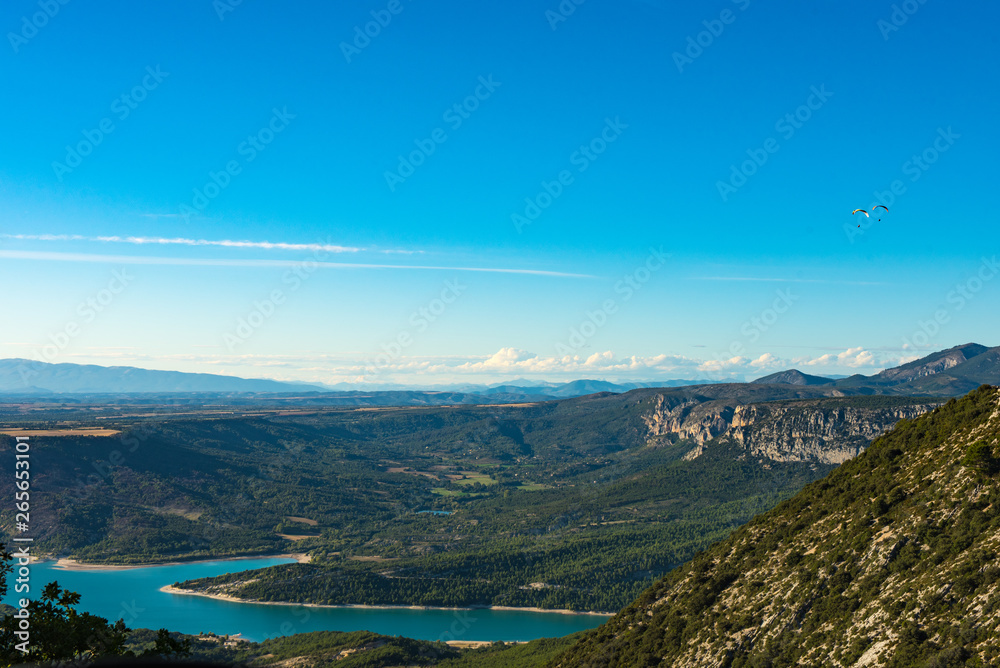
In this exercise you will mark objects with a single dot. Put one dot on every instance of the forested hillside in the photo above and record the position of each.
(568, 504)
(888, 561)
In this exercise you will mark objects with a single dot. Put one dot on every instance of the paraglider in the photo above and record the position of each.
(867, 215)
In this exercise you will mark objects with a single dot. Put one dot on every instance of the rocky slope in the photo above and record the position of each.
(889, 561)
(933, 364)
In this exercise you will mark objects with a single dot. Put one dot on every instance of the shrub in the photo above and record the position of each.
(980, 457)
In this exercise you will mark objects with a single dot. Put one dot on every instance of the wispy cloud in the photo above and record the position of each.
(206, 262)
(781, 280)
(181, 241)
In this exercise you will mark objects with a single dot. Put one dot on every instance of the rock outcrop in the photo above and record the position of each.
(797, 432)
(827, 431)
(693, 420)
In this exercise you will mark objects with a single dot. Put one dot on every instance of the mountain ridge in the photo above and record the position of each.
(950, 372)
(23, 376)
(793, 377)
(30, 377)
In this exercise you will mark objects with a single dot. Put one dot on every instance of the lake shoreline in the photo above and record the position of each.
(170, 589)
(67, 564)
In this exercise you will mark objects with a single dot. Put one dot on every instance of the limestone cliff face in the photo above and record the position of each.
(694, 420)
(794, 433)
(809, 430)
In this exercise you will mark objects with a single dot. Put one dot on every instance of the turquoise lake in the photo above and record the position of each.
(134, 595)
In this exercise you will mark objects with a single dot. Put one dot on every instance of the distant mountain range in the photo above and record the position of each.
(28, 377)
(951, 372)
(31, 378)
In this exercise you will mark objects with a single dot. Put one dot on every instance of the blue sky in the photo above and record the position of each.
(477, 191)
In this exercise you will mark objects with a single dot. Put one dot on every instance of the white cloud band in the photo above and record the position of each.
(181, 241)
(44, 256)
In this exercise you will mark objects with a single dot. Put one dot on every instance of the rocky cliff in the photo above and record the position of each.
(694, 419)
(804, 431)
(827, 431)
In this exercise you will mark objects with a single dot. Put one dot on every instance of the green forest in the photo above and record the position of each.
(562, 505)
